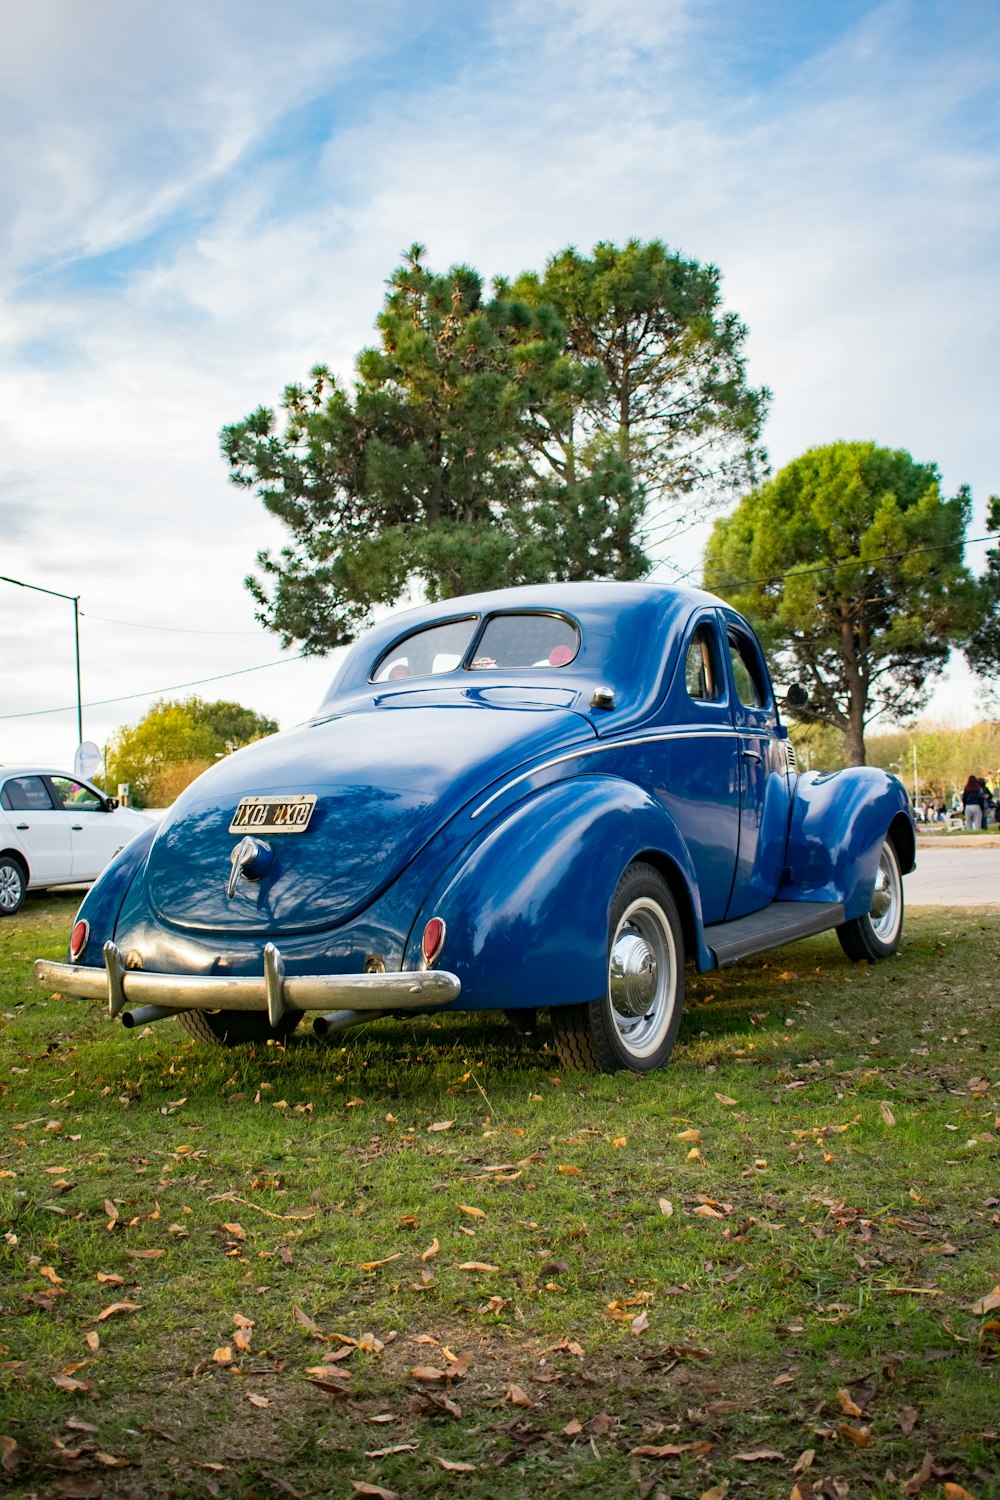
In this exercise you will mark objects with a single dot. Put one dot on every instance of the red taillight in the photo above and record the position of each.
(433, 939)
(78, 941)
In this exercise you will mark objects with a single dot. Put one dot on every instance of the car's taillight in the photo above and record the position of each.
(78, 941)
(433, 939)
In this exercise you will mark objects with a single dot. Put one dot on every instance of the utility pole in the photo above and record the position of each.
(74, 599)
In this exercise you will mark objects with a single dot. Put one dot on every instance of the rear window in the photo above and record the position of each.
(506, 641)
(425, 653)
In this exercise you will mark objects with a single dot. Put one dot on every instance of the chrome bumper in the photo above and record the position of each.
(273, 992)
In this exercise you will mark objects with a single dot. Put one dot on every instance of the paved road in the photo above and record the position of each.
(962, 876)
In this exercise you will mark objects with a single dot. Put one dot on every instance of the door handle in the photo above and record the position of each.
(751, 755)
(23, 827)
(78, 827)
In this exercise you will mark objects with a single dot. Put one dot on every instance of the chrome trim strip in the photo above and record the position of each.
(624, 744)
(323, 992)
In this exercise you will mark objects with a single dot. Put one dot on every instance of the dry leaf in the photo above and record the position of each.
(396, 1448)
(474, 1213)
(907, 1420)
(573, 1428)
(804, 1461)
(432, 1250)
(373, 1265)
(916, 1481)
(669, 1450)
(93, 1341)
(570, 1171)
(619, 1141)
(49, 1273)
(694, 1136)
(67, 1383)
(717, 1492)
(241, 1322)
(760, 1456)
(114, 1308)
(306, 1321)
(362, 1487)
(325, 1371)
(257, 1400)
(454, 1466)
(236, 1230)
(704, 1211)
(223, 1355)
(887, 1114)
(986, 1304)
(441, 1125)
(666, 1207)
(518, 1396)
(110, 1278)
(477, 1265)
(10, 1454)
(111, 1211)
(146, 1254)
(848, 1406)
(725, 1099)
(859, 1436)
(110, 1462)
(955, 1492)
(640, 1323)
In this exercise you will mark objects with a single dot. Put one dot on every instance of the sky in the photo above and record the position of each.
(202, 201)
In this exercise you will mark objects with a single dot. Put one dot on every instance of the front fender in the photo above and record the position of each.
(838, 826)
(527, 906)
(103, 901)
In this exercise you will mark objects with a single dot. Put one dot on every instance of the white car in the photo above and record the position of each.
(56, 830)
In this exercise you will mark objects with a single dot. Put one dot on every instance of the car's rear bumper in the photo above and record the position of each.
(271, 992)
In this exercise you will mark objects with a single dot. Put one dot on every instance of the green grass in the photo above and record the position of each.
(847, 1152)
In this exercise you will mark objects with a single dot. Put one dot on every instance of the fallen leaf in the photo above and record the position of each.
(67, 1383)
(986, 1304)
(666, 1207)
(11, 1454)
(110, 1462)
(49, 1273)
(474, 1213)
(760, 1456)
(573, 1428)
(717, 1492)
(454, 1466)
(887, 1114)
(804, 1461)
(305, 1320)
(955, 1492)
(111, 1211)
(114, 1308)
(704, 1211)
(570, 1171)
(255, 1400)
(93, 1341)
(110, 1278)
(362, 1487)
(916, 1481)
(223, 1355)
(440, 1125)
(325, 1370)
(694, 1136)
(640, 1323)
(907, 1420)
(518, 1396)
(432, 1250)
(725, 1099)
(146, 1254)
(848, 1406)
(373, 1265)
(669, 1450)
(236, 1230)
(859, 1436)
(477, 1265)
(396, 1448)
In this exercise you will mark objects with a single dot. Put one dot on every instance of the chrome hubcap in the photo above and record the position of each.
(10, 887)
(642, 977)
(886, 911)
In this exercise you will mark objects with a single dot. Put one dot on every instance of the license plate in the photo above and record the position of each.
(275, 814)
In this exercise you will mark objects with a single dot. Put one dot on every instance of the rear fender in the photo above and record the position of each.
(838, 826)
(103, 901)
(526, 907)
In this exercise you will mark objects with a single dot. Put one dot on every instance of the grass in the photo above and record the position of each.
(774, 1248)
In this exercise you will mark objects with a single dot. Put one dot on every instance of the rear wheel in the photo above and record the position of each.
(635, 1025)
(13, 883)
(877, 934)
(232, 1028)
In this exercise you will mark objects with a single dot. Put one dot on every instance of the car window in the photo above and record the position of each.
(746, 672)
(702, 676)
(526, 640)
(75, 795)
(426, 653)
(26, 794)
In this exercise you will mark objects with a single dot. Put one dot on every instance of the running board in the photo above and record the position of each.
(781, 922)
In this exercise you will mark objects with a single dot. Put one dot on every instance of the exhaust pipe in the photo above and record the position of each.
(342, 1020)
(143, 1015)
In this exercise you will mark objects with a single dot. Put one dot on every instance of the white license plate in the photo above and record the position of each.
(274, 814)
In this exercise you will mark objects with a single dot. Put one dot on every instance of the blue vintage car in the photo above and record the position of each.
(546, 796)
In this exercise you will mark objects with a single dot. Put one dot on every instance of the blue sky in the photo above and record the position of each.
(203, 200)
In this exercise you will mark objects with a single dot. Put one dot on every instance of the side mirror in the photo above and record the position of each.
(797, 696)
(110, 803)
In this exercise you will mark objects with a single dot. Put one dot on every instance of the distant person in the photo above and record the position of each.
(989, 806)
(974, 803)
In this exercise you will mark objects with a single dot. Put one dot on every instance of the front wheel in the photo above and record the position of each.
(13, 882)
(877, 934)
(232, 1028)
(635, 1025)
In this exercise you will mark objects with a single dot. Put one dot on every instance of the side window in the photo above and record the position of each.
(746, 672)
(75, 796)
(25, 794)
(702, 677)
(425, 653)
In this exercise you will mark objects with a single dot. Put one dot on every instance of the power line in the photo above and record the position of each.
(830, 567)
(172, 629)
(36, 713)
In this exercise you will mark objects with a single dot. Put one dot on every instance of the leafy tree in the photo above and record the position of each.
(667, 391)
(850, 563)
(174, 742)
(497, 439)
(983, 648)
